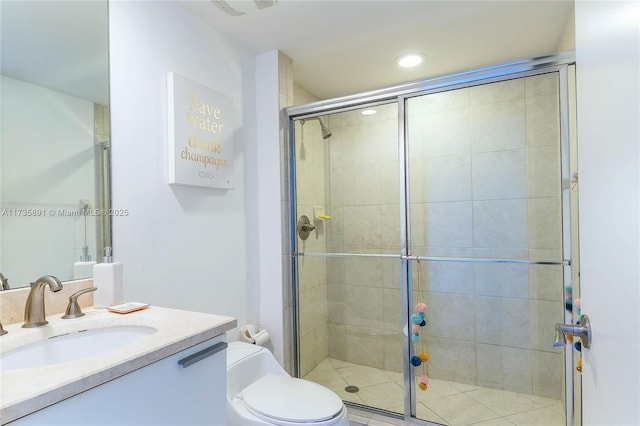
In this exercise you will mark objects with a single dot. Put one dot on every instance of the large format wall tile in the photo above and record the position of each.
(448, 178)
(501, 367)
(547, 374)
(451, 316)
(364, 306)
(509, 90)
(546, 282)
(498, 126)
(453, 360)
(545, 223)
(500, 175)
(364, 348)
(449, 224)
(363, 225)
(543, 126)
(500, 224)
(501, 279)
(503, 321)
(543, 172)
(544, 316)
(445, 133)
(450, 277)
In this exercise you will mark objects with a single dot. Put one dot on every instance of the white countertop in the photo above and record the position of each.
(24, 391)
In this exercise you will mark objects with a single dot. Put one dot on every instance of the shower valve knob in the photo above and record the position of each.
(304, 227)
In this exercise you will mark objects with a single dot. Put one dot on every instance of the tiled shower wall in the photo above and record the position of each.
(364, 297)
(485, 182)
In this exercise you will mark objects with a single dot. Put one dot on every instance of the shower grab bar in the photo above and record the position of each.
(438, 258)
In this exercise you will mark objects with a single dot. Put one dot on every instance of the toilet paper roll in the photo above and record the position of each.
(261, 338)
(251, 333)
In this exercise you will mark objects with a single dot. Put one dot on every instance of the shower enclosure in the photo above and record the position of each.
(454, 193)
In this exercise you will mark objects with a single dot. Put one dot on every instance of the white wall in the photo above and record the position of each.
(269, 232)
(182, 247)
(608, 88)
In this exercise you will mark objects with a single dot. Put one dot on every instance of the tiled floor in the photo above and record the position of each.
(443, 402)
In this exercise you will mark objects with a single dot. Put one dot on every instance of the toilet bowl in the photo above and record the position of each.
(260, 392)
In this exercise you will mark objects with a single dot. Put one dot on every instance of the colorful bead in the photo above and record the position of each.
(415, 338)
(415, 327)
(424, 379)
(579, 365)
(424, 357)
(415, 361)
(421, 307)
(422, 386)
(423, 323)
(416, 319)
(578, 346)
(422, 314)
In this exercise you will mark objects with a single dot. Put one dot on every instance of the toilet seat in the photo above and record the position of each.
(288, 400)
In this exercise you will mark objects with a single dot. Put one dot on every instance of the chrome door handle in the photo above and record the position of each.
(581, 331)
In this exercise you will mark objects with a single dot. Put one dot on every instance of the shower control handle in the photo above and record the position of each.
(304, 227)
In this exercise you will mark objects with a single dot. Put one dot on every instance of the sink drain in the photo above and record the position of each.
(352, 389)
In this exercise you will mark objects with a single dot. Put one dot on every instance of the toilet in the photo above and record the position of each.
(260, 392)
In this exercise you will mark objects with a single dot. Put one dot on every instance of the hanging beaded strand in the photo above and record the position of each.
(418, 321)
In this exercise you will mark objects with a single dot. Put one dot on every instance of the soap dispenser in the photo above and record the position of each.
(107, 279)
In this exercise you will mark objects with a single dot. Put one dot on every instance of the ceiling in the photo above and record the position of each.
(345, 47)
(338, 47)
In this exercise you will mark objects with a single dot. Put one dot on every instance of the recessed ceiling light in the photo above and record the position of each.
(410, 60)
(368, 112)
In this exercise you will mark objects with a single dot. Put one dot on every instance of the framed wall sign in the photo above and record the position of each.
(201, 125)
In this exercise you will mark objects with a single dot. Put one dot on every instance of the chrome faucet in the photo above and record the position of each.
(5, 282)
(34, 315)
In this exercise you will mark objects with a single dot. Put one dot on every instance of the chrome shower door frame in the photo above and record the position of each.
(401, 94)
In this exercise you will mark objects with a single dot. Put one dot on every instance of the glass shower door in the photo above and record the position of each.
(486, 250)
(349, 301)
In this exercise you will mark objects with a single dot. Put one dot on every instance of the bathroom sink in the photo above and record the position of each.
(72, 346)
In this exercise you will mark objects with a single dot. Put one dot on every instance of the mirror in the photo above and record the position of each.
(54, 139)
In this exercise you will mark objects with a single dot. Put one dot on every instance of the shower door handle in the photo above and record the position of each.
(582, 330)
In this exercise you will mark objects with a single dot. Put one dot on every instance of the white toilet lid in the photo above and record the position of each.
(292, 400)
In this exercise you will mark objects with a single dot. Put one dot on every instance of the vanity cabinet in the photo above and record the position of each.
(187, 388)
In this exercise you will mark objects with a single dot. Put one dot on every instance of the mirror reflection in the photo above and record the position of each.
(54, 139)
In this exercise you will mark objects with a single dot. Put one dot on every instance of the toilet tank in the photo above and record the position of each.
(246, 363)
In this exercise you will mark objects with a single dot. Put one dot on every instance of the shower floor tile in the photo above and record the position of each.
(444, 402)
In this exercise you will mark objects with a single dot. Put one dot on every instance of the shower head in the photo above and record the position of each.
(326, 133)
